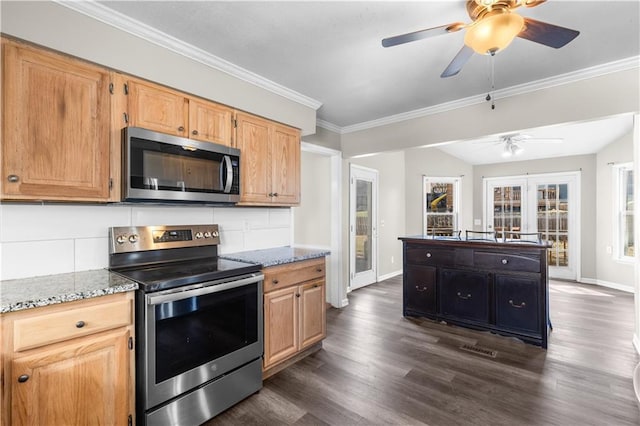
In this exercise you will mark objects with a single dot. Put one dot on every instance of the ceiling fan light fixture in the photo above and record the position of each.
(493, 32)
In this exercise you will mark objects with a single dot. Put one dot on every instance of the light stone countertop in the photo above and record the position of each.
(276, 256)
(27, 293)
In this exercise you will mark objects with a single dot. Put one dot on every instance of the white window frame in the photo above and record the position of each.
(620, 212)
(457, 185)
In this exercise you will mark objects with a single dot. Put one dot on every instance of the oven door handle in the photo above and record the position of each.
(206, 288)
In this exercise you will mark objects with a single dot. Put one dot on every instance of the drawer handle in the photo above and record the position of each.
(80, 324)
(316, 286)
(23, 378)
(428, 254)
(319, 270)
(421, 289)
(275, 282)
(461, 296)
(181, 129)
(505, 261)
(520, 306)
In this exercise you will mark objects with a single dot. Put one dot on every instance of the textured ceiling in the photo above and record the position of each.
(331, 51)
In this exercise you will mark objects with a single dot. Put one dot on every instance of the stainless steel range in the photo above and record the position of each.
(198, 322)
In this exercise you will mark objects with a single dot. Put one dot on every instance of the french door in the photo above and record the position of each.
(547, 204)
(363, 226)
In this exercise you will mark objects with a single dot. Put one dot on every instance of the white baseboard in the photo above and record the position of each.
(389, 275)
(608, 284)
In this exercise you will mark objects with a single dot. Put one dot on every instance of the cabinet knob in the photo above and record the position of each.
(23, 378)
(505, 261)
(428, 254)
(275, 194)
(80, 324)
(271, 194)
(319, 270)
(181, 129)
(13, 178)
(297, 294)
(275, 282)
(195, 132)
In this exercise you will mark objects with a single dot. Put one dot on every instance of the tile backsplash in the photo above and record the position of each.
(44, 239)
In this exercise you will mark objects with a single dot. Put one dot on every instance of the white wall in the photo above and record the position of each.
(50, 239)
(608, 270)
(421, 162)
(60, 28)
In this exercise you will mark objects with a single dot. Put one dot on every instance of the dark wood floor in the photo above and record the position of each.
(377, 367)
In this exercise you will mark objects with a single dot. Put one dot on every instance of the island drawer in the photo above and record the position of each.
(281, 276)
(57, 324)
(506, 262)
(429, 256)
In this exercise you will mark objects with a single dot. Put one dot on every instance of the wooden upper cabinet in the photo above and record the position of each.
(252, 139)
(269, 162)
(285, 162)
(164, 110)
(210, 122)
(156, 108)
(56, 126)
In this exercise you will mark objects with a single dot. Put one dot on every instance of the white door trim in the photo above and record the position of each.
(337, 292)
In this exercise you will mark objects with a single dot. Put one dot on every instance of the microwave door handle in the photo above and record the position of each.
(229, 180)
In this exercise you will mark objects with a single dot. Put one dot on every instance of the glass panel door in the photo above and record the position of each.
(505, 212)
(363, 218)
(553, 221)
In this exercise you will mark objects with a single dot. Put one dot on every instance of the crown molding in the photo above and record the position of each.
(586, 73)
(122, 22)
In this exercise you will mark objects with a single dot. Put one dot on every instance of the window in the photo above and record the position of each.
(440, 205)
(624, 243)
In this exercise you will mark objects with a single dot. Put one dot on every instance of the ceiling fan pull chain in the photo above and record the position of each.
(491, 96)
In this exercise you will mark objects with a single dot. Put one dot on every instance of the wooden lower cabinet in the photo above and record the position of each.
(83, 379)
(294, 309)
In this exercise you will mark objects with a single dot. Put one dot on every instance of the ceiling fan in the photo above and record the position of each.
(513, 143)
(494, 26)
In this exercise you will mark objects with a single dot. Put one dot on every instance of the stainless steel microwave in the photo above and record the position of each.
(163, 168)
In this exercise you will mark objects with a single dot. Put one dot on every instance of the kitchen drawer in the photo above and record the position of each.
(464, 294)
(506, 262)
(281, 276)
(420, 255)
(420, 289)
(44, 328)
(518, 303)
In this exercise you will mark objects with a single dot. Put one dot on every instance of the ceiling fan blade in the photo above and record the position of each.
(458, 62)
(422, 34)
(547, 34)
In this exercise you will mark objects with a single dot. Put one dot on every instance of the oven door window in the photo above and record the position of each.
(166, 167)
(193, 331)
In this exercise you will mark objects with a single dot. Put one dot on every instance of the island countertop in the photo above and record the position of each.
(34, 292)
(476, 242)
(276, 256)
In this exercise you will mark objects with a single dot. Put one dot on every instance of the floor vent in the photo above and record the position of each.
(479, 350)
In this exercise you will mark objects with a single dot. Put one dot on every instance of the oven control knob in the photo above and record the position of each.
(198, 235)
(207, 234)
(215, 234)
(133, 238)
(121, 239)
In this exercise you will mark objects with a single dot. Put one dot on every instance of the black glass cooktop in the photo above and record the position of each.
(175, 274)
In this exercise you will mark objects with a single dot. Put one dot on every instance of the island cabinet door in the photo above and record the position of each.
(420, 290)
(465, 294)
(518, 303)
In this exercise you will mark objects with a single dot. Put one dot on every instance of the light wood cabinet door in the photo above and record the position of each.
(157, 108)
(56, 126)
(81, 382)
(210, 122)
(252, 138)
(312, 313)
(285, 163)
(280, 325)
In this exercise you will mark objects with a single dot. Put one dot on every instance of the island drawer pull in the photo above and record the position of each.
(505, 261)
(428, 254)
(421, 289)
(520, 306)
(461, 296)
